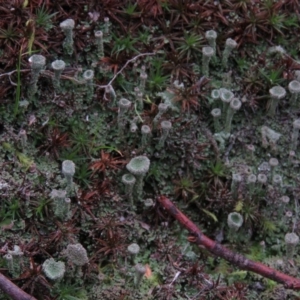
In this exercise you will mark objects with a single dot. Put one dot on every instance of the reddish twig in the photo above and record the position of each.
(12, 290)
(215, 248)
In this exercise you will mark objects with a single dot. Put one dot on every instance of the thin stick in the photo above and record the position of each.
(126, 64)
(12, 290)
(49, 73)
(218, 250)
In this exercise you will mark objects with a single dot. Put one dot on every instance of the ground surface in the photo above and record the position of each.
(193, 163)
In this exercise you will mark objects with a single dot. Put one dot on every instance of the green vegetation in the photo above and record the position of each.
(131, 110)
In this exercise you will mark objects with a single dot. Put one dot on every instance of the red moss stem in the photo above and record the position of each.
(218, 250)
(12, 290)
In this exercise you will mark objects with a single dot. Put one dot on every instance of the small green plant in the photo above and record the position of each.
(43, 18)
(157, 79)
(190, 45)
(185, 187)
(83, 175)
(41, 207)
(250, 212)
(72, 154)
(67, 291)
(130, 9)
(273, 77)
(144, 37)
(269, 228)
(14, 208)
(9, 35)
(277, 22)
(81, 140)
(126, 44)
(242, 63)
(9, 212)
(216, 173)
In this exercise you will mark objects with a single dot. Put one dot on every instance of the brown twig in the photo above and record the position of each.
(215, 248)
(12, 290)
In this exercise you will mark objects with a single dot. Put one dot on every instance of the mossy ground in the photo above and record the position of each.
(191, 167)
